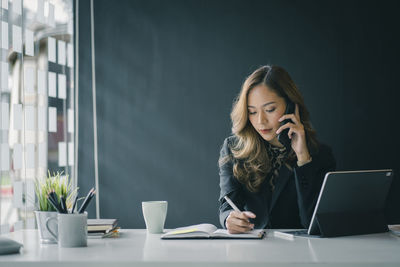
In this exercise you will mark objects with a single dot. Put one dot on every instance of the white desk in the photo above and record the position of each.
(136, 248)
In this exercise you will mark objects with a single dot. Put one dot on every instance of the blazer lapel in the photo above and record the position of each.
(283, 178)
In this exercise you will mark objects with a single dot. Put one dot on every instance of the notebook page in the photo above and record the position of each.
(192, 230)
(258, 233)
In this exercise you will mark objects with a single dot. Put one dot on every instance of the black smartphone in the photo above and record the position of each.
(283, 137)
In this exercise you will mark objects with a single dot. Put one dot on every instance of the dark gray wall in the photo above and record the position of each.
(167, 72)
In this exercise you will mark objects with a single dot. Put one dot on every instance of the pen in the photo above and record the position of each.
(86, 201)
(63, 204)
(53, 197)
(76, 200)
(284, 235)
(64, 200)
(53, 203)
(231, 204)
(83, 208)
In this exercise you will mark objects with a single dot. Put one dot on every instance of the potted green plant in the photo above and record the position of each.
(62, 186)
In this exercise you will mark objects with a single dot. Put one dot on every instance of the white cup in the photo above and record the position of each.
(72, 229)
(154, 213)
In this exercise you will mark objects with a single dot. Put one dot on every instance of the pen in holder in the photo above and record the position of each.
(87, 200)
(59, 202)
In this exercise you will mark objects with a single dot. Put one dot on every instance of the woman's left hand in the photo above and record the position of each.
(296, 134)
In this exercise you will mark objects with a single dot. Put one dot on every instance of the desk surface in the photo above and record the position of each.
(136, 248)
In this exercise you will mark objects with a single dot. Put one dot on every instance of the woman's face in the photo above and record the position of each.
(265, 108)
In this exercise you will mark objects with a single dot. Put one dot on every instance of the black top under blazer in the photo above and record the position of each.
(291, 204)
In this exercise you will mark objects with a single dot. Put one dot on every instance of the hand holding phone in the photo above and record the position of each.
(283, 137)
(292, 126)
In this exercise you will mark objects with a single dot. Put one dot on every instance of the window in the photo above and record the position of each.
(37, 102)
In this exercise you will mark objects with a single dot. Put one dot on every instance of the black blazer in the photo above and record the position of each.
(293, 200)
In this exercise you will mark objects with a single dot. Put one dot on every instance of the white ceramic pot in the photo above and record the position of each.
(45, 236)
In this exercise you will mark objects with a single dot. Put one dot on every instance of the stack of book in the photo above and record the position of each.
(100, 228)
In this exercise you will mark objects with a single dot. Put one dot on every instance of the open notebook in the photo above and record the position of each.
(207, 230)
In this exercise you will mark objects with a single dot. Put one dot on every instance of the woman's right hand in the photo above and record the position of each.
(238, 222)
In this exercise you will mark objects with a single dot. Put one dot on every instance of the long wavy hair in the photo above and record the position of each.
(251, 163)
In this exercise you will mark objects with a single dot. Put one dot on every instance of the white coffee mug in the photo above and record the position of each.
(72, 229)
(154, 213)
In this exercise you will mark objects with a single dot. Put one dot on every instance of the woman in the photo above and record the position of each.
(273, 186)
